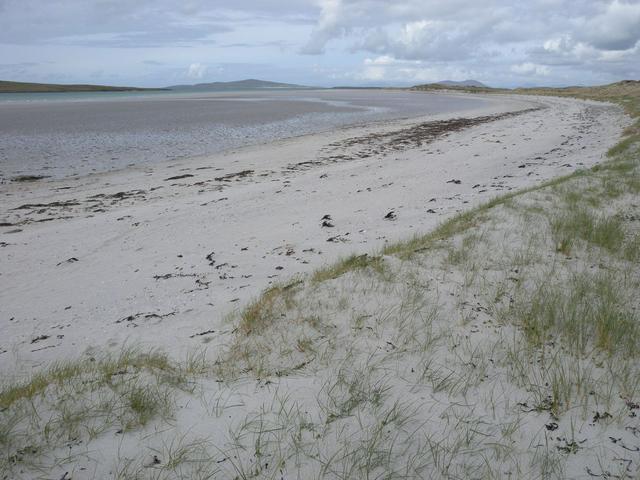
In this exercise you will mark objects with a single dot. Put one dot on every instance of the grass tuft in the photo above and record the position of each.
(81, 400)
(586, 312)
(349, 264)
(268, 307)
(604, 231)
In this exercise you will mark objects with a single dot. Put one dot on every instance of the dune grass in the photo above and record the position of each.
(602, 230)
(349, 264)
(82, 400)
(264, 310)
(585, 311)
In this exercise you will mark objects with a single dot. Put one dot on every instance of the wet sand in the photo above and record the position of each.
(62, 138)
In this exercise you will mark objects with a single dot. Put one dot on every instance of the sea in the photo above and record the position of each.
(59, 135)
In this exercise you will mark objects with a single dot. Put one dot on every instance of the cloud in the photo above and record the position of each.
(529, 68)
(617, 28)
(547, 39)
(431, 29)
(383, 60)
(386, 69)
(422, 40)
(496, 41)
(415, 29)
(329, 26)
(196, 71)
(126, 23)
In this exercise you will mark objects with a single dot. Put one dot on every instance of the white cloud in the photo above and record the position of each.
(558, 39)
(196, 71)
(388, 60)
(328, 27)
(387, 69)
(496, 41)
(529, 68)
(617, 28)
(563, 43)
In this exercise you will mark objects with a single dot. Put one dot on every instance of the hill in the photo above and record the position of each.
(25, 87)
(466, 86)
(249, 84)
(600, 92)
(464, 83)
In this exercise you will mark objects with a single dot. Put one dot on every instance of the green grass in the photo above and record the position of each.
(632, 249)
(349, 264)
(458, 255)
(268, 307)
(36, 385)
(464, 221)
(351, 388)
(61, 373)
(602, 230)
(24, 87)
(586, 312)
(623, 146)
(276, 300)
(81, 400)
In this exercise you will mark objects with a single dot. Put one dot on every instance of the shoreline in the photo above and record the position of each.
(133, 256)
(352, 113)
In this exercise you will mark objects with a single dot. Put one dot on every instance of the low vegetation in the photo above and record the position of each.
(76, 402)
(24, 87)
(349, 264)
(503, 344)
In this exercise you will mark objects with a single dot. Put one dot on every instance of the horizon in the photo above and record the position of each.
(311, 87)
(323, 43)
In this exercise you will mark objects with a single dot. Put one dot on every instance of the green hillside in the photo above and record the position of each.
(24, 87)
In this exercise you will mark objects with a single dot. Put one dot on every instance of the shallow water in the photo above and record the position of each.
(61, 135)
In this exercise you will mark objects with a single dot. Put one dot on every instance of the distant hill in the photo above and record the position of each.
(623, 87)
(250, 84)
(24, 87)
(466, 86)
(464, 83)
(350, 87)
(599, 92)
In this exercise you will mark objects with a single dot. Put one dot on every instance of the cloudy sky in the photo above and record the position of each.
(320, 42)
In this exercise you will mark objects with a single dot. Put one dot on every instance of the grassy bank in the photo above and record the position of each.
(26, 87)
(503, 344)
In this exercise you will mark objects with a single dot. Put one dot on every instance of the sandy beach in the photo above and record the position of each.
(403, 299)
(319, 240)
(159, 255)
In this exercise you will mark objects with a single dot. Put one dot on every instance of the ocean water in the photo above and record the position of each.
(69, 134)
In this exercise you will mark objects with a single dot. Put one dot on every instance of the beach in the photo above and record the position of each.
(443, 296)
(319, 240)
(159, 255)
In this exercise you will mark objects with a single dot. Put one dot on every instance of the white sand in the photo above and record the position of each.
(261, 228)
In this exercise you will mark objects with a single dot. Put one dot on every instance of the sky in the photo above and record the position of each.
(503, 43)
